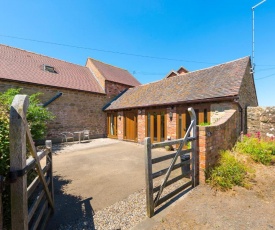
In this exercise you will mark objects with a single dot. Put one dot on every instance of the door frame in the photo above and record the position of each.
(114, 114)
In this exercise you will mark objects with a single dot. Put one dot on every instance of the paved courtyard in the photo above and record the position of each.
(93, 175)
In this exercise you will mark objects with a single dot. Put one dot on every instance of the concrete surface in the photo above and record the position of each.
(93, 175)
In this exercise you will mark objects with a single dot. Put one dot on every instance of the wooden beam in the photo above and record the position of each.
(38, 165)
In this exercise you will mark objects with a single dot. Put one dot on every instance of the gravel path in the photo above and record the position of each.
(124, 214)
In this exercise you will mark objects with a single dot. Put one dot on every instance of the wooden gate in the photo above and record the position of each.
(32, 199)
(152, 201)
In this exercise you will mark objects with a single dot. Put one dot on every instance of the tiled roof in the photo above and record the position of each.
(24, 66)
(215, 82)
(115, 74)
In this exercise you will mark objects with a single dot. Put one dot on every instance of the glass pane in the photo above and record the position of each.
(112, 124)
(148, 125)
(162, 128)
(205, 115)
(197, 116)
(180, 126)
(155, 126)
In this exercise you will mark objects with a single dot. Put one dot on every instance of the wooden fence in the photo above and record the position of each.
(153, 201)
(32, 199)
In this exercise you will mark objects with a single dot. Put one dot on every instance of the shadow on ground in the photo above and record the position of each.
(69, 209)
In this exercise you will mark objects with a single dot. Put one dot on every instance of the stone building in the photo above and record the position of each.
(75, 94)
(159, 109)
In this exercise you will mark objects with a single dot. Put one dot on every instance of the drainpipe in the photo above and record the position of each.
(236, 101)
(53, 99)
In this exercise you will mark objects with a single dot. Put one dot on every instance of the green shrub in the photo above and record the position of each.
(204, 124)
(36, 117)
(227, 173)
(260, 150)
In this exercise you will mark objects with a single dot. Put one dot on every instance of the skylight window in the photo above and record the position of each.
(49, 69)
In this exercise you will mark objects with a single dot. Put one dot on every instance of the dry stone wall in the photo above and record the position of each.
(261, 119)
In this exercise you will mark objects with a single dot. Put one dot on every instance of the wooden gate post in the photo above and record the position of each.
(19, 198)
(193, 133)
(148, 177)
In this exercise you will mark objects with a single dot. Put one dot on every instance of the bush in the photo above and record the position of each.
(227, 173)
(36, 117)
(260, 149)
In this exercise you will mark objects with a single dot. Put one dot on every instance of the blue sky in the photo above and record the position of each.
(193, 34)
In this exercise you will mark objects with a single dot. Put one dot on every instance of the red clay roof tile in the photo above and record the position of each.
(115, 74)
(215, 82)
(24, 66)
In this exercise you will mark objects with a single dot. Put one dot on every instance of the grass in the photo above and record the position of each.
(233, 170)
(228, 172)
(259, 149)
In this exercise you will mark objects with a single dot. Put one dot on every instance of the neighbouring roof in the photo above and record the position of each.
(23, 66)
(115, 74)
(215, 82)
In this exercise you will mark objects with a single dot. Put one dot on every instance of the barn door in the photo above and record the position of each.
(130, 126)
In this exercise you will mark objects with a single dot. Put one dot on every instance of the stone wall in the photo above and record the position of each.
(74, 110)
(261, 119)
(212, 139)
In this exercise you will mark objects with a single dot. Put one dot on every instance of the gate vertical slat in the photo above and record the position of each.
(19, 197)
(50, 171)
(149, 177)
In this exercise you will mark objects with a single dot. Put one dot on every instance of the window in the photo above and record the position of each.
(49, 69)
(156, 125)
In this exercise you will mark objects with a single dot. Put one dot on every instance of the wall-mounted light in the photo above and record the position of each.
(170, 115)
(119, 117)
(139, 111)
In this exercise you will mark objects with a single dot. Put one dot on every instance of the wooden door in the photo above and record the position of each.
(130, 126)
(156, 125)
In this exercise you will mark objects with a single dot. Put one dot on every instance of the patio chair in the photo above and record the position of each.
(67, 136)
(86, 134)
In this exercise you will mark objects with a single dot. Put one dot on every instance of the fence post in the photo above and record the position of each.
(19, 198)
(148, 177)
(194, 146)
(49, 145)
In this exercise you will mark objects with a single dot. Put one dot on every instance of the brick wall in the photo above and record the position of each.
(112, 88)
(171, 124)
(74, 110)
(261, 119)
(141, 126)
(120, 125)
(96, 73)
(212, 139)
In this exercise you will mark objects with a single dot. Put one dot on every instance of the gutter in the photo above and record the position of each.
(114, 99)
(53, 99)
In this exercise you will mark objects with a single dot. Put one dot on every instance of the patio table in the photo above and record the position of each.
(79, 135)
